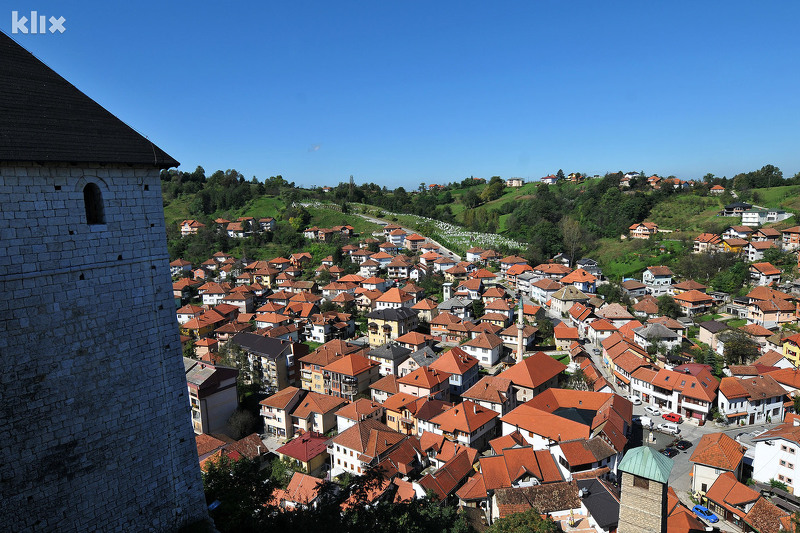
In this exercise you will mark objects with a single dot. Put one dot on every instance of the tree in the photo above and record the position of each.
(233, 356)
(529, 521)
(470, 199)
(560, 174)
(739, 348)
(243, 423)
(577, 381)
(572, 235)
(243, 489)
(478, 308)
(667, 306)
(612, 292)
(775, 484)
(494, 190)
(188, 349)
(545, 328)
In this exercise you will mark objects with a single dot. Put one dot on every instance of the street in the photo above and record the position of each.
(442, 249)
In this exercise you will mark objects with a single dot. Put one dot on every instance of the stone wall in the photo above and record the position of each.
(94, 408)
(642, 510)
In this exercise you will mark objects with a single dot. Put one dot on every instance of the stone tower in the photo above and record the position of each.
(520, 325)
(643, 498)
(94, 407)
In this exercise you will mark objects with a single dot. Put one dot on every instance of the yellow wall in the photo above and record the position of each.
(791, 352)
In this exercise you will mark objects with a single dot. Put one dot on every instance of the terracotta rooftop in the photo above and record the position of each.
(465, 417)
(454, 361)
(533, 371)
(305, 447)
(351, 365)
(424, 377)
(495, 389)
(718, 450)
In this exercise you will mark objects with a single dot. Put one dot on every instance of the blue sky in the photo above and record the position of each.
(399, 93)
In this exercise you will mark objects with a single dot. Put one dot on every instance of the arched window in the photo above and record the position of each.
(93, 201)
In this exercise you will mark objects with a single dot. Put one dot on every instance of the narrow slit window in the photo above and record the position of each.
(93, 201)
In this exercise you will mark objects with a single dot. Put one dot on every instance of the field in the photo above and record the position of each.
(778, 197)
(326, 218)
(690, 213)
(177, 210)
(624, 259)
(264, 206)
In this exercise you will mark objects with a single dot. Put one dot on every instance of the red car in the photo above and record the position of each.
(672, 417)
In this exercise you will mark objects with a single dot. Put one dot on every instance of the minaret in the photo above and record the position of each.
(519, 330)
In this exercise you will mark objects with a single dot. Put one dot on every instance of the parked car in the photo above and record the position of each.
(652, 411)
(596, 351)
(669, 427)
(683, 444)
(670, 452)
(672, 417)
(635, 400)
(705, 514)
(644, 421)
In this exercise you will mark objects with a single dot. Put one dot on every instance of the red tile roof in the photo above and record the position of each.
(465, 417)
(718, 450)
(351, 365)
(454, 361)
(533, 371)
(305, 447)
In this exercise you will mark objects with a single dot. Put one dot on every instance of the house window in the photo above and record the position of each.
(93, 202)
(641, 482)
(783, 463)
(780, 477)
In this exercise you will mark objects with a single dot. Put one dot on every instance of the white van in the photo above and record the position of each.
(669, 427)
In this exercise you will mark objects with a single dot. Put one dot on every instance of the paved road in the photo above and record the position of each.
(446, 251)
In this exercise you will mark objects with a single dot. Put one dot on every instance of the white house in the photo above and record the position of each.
(467, 423)
(715, 454)
(654, 334)
(486, 348)
(351, 452)
(658, 280)
(751, 401)
(777, 455)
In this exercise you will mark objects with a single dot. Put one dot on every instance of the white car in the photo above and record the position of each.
(669, 427)
(635, 400)
(652, 411)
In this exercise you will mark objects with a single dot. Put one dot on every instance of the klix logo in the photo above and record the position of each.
(38, 23)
